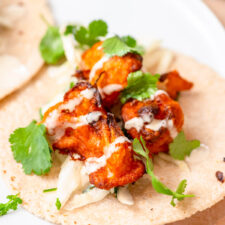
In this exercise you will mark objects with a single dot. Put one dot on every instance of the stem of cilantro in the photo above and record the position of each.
(141, 149)
(45, 20)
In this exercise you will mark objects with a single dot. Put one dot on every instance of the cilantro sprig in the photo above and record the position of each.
(30, 147)
(139, 86)
(180, 147)
(141, 149)
(51, 46)
(120, 46)
(12, 204)
(90, 35)
(129, 40)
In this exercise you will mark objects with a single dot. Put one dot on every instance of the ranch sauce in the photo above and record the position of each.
(52, 122)
(93, 164)
(109, 89)
(149, 122)
(97, 66)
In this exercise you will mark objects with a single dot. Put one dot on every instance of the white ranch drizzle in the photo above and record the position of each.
(156, 124)
(83, 120)
(52, 120)
(198, 155)
(75, 123)
(97, 66)
(158, 92)
(124, 196)
(82, 199)
(152, 123)
(93, 164)
(109, 89)
(147, 118)
(58, 98)
(136, 122)
(172, 129)
(71, 104)
(88, 93)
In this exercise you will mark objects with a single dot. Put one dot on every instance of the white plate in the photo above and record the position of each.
(185, 26)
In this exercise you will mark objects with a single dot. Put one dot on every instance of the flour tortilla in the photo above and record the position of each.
(204, 112)
(21, 29)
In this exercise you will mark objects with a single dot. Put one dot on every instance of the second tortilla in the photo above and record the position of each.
(21, 28)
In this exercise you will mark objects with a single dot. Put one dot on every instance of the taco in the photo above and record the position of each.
(21, 27)
(119, 145)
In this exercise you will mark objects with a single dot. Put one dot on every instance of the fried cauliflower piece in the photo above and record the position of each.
(108, 74)
(157, 120)
(173, 83)
(80, 125)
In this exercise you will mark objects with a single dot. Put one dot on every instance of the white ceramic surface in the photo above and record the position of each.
(183, 25)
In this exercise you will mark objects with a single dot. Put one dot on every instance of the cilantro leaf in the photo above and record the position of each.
(70, 29)
(120, 46)
(90, 35)
(72, 84)
(97, 28)
(130, 41)
(140, 148)
(12, 204)
(180, 147)
(81, 36)
(58, 204)
(30, 147)
(139, 86)
(180, 190)
(51, 46)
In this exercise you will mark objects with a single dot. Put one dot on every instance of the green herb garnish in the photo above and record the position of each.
(49, 190)
(180, 147)
(90, 35)
(120, 46)
(30, 147)
(58, 204)
(129, 40)
(51, 46)
(140, 86)
(72, 84)
(12, 204)
(141, 149)
(180, 190)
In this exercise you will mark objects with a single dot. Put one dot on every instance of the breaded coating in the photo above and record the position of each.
(157, 121)
(111, 77)
(173, 83)
(80, 125)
